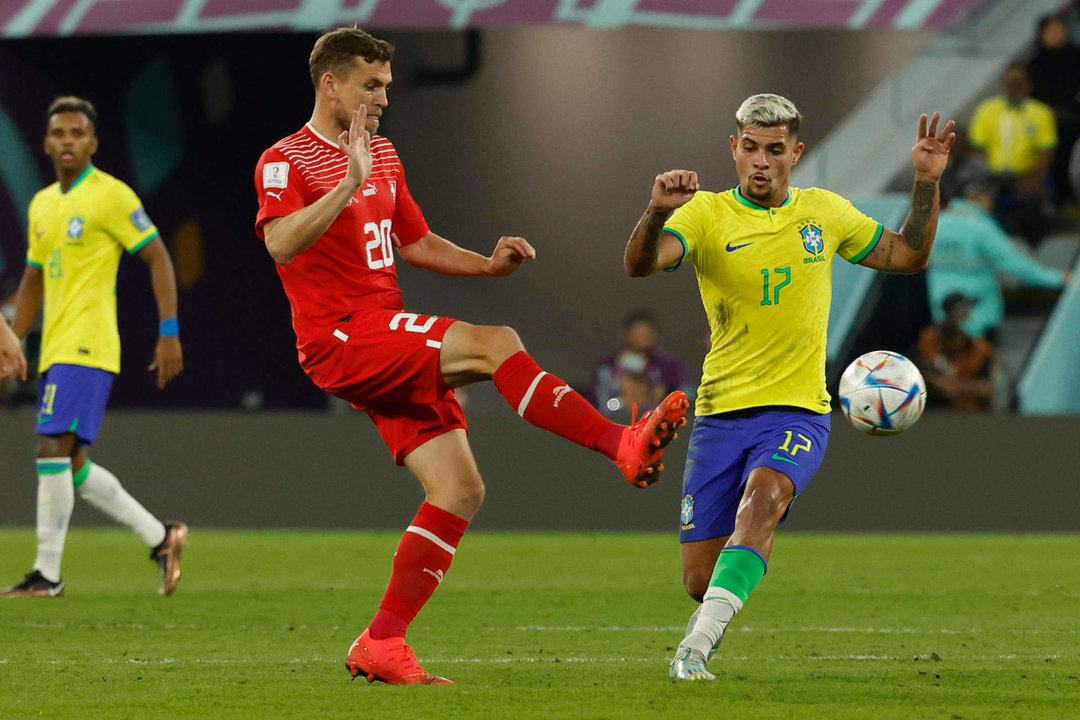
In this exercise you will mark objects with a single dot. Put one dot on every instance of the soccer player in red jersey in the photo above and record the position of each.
(333, 209)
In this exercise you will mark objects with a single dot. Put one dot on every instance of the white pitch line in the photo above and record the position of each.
(530, 660)
(746, 629)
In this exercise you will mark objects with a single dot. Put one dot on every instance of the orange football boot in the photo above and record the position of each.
(644, 440)
(390, 661)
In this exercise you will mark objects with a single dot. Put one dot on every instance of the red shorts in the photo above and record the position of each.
(387, 363)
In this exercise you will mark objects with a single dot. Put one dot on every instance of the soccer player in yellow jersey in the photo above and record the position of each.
(763, 255)
(79, 228)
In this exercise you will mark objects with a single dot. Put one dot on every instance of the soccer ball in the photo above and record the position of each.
(882, 393)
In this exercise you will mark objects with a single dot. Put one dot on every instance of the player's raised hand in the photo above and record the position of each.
(356, 144)
(509, 253)
(931, 152)
(168, 359)
(673, 189)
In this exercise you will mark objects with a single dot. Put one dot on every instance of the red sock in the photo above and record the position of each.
(549, 403)
(423, 556)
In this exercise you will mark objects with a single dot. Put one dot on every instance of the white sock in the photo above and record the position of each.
(56, 500)
(102, 490)
(713, 616)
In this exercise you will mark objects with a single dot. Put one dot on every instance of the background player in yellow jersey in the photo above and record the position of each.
(763, 256)
(79, 228)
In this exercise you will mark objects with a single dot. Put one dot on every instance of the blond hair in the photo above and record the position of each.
(767, 110)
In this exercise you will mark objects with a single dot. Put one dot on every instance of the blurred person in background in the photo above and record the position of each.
(335, 214)
(79, 227)
(1017, 135)
(762, 253)
(961, 369)
(970, 251)
(638, 356)
(1055, 80)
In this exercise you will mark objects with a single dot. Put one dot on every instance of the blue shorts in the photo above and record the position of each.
(72, 399)
(724, 449)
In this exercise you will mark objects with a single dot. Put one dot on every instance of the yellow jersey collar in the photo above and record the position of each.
(743, 200)
(85, 173)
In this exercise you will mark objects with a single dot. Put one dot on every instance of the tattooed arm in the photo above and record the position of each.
(909, 250)
(650, 248)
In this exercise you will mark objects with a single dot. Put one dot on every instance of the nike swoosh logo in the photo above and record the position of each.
(733, 248)
(778, 456)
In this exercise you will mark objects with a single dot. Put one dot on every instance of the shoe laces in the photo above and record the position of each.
(404, 659)
(638, 422)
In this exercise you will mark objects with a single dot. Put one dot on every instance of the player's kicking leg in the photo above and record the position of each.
(473, 352)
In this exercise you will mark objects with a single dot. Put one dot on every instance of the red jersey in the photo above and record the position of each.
(351, 266)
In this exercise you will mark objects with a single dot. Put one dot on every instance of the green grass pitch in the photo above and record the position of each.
(546, 625)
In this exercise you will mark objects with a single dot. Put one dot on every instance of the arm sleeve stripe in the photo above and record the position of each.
(141, 245)
(31, 263)
(685, 249)
(870, 246)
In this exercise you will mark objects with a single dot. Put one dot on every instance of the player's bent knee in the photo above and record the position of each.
(504, 342)
(696, 584)
(51, 446)
(466, 493)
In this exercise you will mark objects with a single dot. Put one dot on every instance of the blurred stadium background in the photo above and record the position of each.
(546, 119)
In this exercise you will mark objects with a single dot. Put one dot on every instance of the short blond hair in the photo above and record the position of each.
(767, 110)
(336, 52)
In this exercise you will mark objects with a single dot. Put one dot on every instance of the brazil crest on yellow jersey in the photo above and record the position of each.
(77, 238)
(765, 276)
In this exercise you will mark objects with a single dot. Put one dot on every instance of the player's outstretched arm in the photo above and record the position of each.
(909, 250)
(649, 248)
(12, 360)
(168, 355)
(438, 254)
(286, 237)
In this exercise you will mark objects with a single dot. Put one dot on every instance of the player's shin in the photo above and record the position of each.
(422, 559)
(737, 572)
(56, 500)
(549, 403)
(100, 488)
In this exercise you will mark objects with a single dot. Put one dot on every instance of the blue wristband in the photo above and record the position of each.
(169, 328)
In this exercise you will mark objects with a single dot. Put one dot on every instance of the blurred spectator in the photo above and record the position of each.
(1018, 135)
(638, 361)
(969, 252)
(1055, 80)
(961, 370)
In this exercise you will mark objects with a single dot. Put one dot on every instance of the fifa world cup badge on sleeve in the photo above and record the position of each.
(140, 220)
(276, 175)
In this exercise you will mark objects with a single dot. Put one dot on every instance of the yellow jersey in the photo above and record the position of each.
(76, 239)
(765, 276)
(1013, 137)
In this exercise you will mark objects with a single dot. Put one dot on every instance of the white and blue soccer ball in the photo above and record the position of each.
(882, 393)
